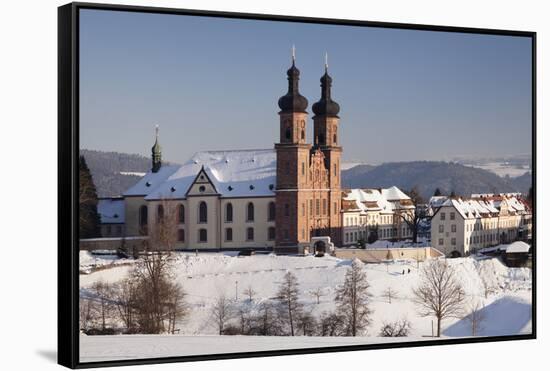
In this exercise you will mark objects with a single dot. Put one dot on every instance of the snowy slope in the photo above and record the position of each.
(206, 276)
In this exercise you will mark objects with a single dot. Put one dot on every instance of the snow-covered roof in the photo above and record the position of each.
(518, 247)
(480, 207)
(243, 173)
(150, 181)
(394, 194)
(111, 210)
(383, 200)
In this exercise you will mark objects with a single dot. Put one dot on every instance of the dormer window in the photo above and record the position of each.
(148, 184)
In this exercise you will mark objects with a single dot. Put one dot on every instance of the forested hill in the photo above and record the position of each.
(429, 175)
(114, 172)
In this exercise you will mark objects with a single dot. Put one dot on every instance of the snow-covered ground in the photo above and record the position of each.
(90, 262)
(206, 276)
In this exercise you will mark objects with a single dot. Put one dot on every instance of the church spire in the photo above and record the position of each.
(326, 106)
(293, 101)
(156, 152)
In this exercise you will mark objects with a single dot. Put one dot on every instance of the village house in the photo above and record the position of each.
(376, 214)
(461, 226)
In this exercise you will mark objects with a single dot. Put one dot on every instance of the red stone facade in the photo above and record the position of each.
(308, 193)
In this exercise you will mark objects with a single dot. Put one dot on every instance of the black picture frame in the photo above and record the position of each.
(68, 149)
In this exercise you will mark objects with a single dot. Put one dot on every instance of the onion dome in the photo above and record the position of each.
(326, 106)
(293, 101)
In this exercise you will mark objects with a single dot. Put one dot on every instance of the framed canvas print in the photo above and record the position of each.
(240, 185)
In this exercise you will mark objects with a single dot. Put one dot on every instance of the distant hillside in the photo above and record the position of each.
(114, 172)
(522, 182)
(429, 175)
(106, 168)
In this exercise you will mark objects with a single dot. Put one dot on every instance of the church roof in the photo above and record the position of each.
(243, 173)
(111, 210)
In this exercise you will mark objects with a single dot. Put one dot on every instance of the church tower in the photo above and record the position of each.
(292, 166)
(325, 134)
(156, 153)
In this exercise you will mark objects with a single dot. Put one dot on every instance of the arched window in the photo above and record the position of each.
(303, 135)
(288, 133)
(160, 214)
(203, 212)
(250, 234)
(181, 214)
(271, 211)
(143, 216)
(181, 235)
(321, 139)
(250, 212)
(334, 139)
(271, 233)
(229, 213)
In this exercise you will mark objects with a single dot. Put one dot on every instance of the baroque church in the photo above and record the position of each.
(264, 199)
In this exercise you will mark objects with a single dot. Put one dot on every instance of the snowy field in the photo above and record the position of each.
(204, 277)
(503, 169)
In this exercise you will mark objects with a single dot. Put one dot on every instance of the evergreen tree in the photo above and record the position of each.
(437, 192)
(87, 201)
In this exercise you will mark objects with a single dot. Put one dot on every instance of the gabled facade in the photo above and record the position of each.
(463, 226)
(274, 199)
(375, 214)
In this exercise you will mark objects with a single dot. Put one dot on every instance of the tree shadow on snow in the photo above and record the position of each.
(505, 316)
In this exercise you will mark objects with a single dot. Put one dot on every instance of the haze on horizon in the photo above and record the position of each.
(213, 83)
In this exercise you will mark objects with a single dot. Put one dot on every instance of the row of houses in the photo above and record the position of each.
(461, 226)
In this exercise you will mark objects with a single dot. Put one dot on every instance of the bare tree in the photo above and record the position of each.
(306, 324)
(221, 312)
(395, 329)
(267, 323)
(390, 294)
(288, 297)
(86, 313)
(352, 299)
(104, 306)
(124, 296)
(250, 293)
(332, 324)
(245, 319)
(176, 307)
(476, 317)
(414, 218)
(158, 297)
(164, 235)
(317, 294)
(439, 294)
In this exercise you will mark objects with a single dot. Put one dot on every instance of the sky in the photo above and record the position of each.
(214, 83)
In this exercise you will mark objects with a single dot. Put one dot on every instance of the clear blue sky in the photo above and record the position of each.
(213, 83)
